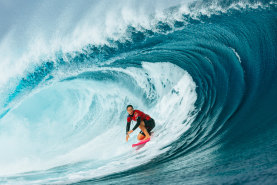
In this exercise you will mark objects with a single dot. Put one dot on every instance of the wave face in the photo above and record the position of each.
(205, 71)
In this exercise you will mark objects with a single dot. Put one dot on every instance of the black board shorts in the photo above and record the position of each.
(149, 125)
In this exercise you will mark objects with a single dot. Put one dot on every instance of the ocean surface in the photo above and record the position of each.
(206, 71)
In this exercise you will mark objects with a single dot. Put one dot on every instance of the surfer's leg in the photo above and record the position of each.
(144, 130)
(141, 136)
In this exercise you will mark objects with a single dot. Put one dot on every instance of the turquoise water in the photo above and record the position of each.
(205, 71)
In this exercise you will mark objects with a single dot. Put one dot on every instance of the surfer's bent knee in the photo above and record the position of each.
(140, 136)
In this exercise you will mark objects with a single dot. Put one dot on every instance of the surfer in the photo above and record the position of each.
(144, 122)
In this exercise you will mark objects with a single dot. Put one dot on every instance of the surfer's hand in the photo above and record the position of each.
(130, 132)
(127, 137)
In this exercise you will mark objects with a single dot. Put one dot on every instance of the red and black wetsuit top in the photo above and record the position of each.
(137, 116)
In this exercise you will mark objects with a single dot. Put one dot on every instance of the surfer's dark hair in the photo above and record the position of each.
(130, 106)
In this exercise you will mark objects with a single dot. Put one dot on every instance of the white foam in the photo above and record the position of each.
(66, 135)
(68, 26)
(237, 55)
(65, 130)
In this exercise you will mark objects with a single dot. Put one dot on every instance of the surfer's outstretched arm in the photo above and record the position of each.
(134, 128)
(138, 123)
(127, 130)
(128, 127)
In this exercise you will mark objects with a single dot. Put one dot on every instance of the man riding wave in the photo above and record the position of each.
(144, 122)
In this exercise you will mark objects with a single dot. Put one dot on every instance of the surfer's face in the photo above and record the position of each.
(130, 110)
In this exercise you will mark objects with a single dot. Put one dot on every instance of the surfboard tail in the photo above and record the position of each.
(141, 142)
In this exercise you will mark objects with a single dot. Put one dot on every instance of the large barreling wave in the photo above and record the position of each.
(204, 70)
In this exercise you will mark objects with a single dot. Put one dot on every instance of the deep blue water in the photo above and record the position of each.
(208, 79)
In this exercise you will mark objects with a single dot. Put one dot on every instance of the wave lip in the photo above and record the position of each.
(200, 74)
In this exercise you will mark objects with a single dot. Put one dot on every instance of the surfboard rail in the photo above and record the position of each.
(141, 142)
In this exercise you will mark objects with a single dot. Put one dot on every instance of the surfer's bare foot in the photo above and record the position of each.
(146, 137)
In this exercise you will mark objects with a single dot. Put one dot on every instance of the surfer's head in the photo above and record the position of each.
(130, 109)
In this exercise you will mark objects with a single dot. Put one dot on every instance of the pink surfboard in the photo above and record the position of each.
(141, 142)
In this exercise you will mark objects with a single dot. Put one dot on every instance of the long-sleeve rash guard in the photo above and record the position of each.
(137, 116)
